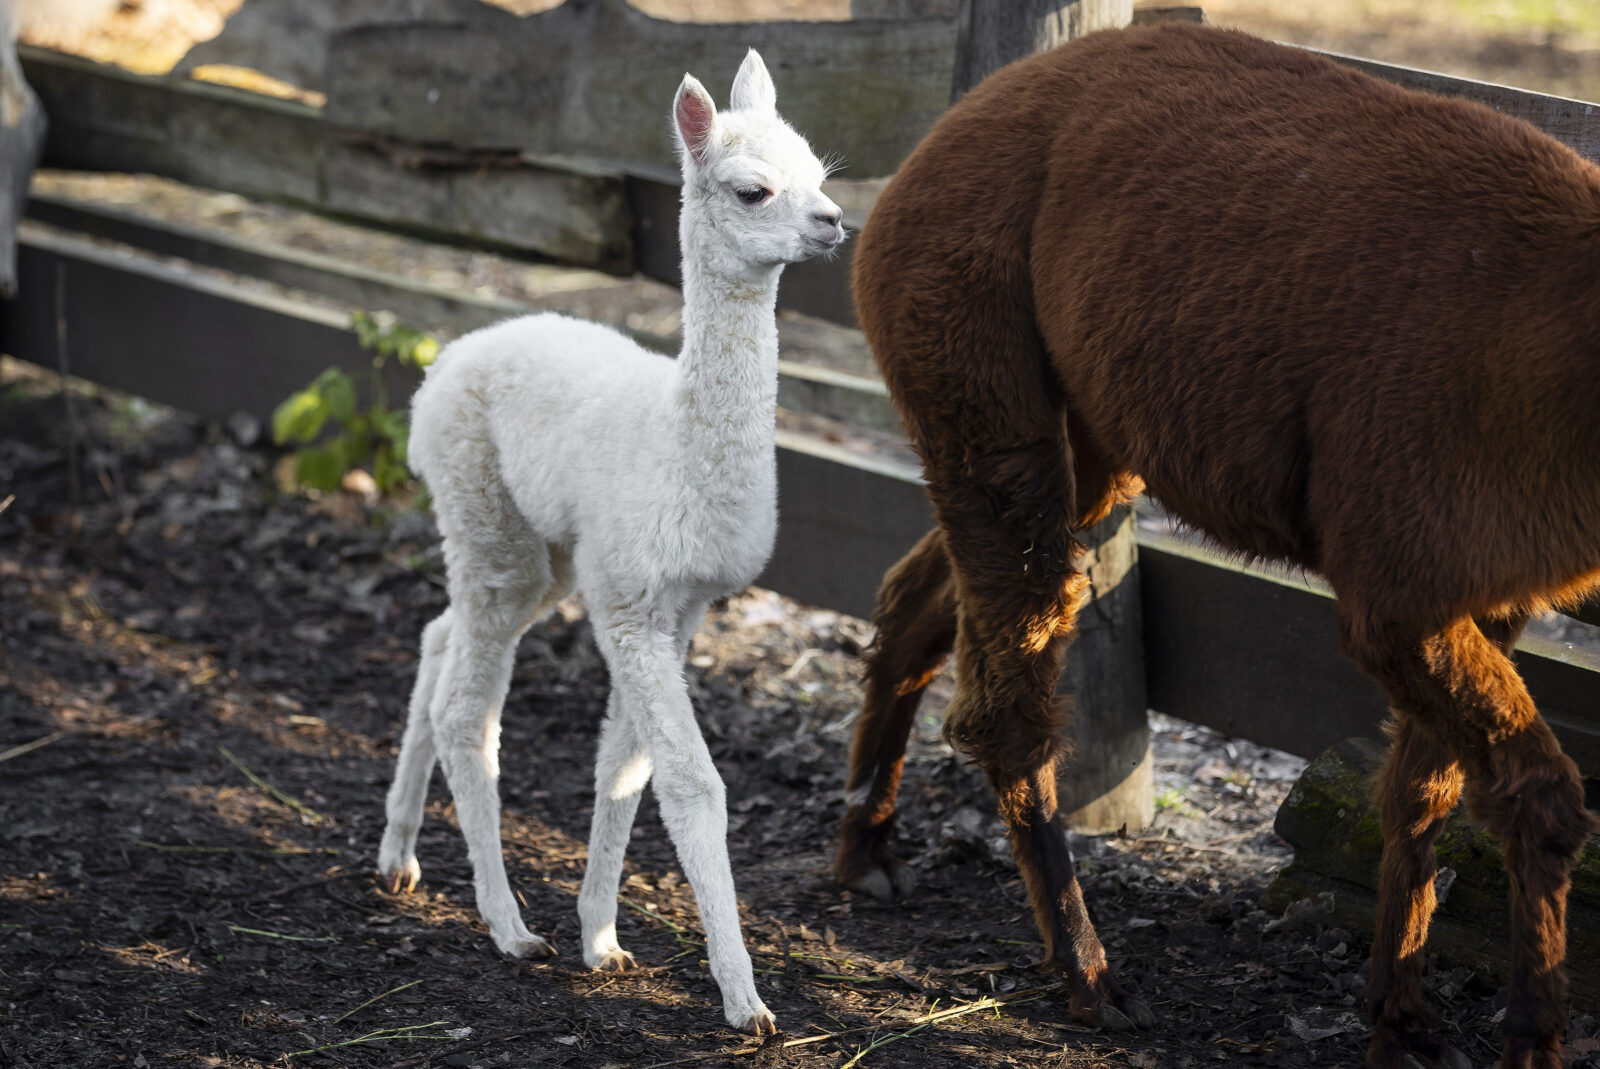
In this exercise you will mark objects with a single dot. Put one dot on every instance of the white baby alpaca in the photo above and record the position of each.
(563, 456)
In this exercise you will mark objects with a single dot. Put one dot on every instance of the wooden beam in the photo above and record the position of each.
(843, 519)
(107, 119)
(803, 388)
(1255, 653)
(596, 80)
(213, 347)
(1575, 123)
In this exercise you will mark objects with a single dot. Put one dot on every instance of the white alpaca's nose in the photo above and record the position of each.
(828, 222)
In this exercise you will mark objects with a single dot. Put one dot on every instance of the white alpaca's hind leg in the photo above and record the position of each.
(646, 668)
(466, 730)
(621, 771)
(397, 855)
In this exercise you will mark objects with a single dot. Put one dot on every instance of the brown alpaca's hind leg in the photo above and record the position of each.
(916, 627)
(1461, 688)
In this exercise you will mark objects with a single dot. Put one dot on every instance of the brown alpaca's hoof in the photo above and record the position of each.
(1419, 1050)
(863, 862)
(886, 885)
(1116, 1011)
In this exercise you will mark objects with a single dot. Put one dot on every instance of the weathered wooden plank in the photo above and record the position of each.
(171, 335)
(815, 391)
(209, 346)
(108, 119)
(1575, 123)
(596, 80)
(288, 39)
(842, 521)
(1255, 653)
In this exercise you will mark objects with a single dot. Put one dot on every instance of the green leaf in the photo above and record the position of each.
(388, 424)
(353, 445)
(389, 473)
(337, 392)
(320, 467)
(367, 329)
(299, 418)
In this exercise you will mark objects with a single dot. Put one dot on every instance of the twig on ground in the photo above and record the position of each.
(36, 744)
(658, 918)
(382, 1035)
(311, 816)
(277, 851)
(914, 1025)
(378, 998)
(7, 502)
(280, 935)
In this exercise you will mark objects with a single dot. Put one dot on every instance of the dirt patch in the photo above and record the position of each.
(216, 670)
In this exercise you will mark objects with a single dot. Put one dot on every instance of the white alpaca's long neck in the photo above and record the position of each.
(728, 367)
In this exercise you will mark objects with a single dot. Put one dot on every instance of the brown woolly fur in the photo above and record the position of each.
(1327, 321)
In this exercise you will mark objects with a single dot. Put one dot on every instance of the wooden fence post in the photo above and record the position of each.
(22, 126)
(992, 33)
(1107, 783)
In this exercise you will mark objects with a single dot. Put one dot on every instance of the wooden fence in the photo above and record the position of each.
(1249, 651)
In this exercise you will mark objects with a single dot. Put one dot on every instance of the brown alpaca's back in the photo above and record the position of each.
(1326, 321)
(1241, 257)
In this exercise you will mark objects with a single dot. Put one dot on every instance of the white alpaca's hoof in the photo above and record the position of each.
(615, 960)
(757, 1022)
(400, 876)
(525, 945)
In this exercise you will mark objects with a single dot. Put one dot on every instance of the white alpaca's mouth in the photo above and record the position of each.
(825, 246)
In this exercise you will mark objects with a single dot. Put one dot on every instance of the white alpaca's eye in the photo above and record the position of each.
(753, 194)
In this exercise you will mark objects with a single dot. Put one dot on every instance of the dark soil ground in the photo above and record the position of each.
(214, 671)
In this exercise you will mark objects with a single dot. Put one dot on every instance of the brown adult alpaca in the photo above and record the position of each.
(1327, 321)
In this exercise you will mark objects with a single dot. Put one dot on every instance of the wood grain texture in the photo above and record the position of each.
(1254, 652)
(595, 78)
(817, 391)
(108, 119)
(207, 345)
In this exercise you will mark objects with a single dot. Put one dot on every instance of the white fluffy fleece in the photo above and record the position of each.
(563, 456)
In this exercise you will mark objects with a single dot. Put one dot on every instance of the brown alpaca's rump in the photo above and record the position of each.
(1327, 321)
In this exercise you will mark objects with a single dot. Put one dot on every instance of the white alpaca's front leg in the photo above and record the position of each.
(621, 771)
(694, 809)
(466, 729)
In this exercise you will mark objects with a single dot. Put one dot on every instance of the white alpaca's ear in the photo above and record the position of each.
(752, 86)
(693, 114)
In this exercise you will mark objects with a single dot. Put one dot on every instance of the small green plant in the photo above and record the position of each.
(373, 437)
(1169, 799)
